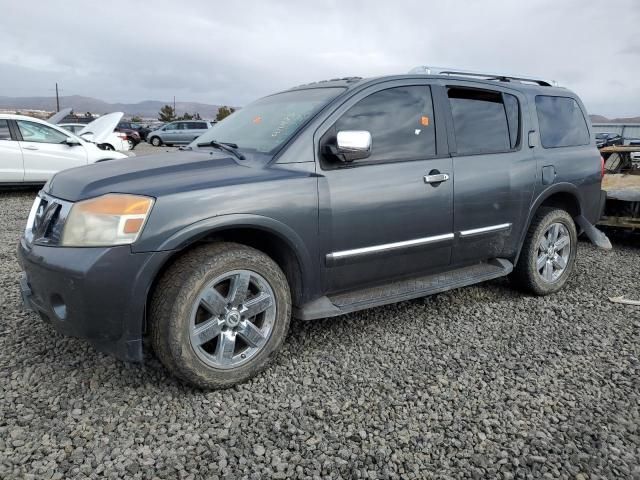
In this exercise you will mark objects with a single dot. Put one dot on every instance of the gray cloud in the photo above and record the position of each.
(233, 52)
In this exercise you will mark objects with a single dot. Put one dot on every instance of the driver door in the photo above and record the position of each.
(44, 151)
(380, 218)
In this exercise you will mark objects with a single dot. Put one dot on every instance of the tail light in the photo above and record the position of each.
(123, 136)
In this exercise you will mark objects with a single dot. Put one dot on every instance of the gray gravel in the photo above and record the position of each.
(477, 383)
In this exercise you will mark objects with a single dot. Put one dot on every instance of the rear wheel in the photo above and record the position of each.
(548, 254)
(219, 314)
(156, 141)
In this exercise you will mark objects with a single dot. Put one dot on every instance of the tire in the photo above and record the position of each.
(178, 309)
(156, 141)
(538, 251)
(132, 144)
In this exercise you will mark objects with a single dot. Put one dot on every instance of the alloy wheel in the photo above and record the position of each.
(232, 319)
(553, 250)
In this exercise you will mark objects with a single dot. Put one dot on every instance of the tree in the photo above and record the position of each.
(224, 112)
(186, 116)
(167, 114)
(197, 116)
(136, 119)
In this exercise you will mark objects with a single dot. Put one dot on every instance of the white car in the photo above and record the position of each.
(115, 141)
(32, 150)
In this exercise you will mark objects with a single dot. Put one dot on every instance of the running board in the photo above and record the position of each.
(402, 290)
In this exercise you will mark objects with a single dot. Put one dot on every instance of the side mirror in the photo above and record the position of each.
(353, 145)
(71, 142)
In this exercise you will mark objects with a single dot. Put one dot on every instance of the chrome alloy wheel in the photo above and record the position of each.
(232, 319)
(554, 249)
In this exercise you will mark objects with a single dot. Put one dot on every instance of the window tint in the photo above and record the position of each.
(513, 118)
(36, 132)
(480, 121)
(400, 121)
(562, 123)
(197, 125)
(4, 130)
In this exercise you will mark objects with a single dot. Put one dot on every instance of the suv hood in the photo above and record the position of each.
(159, 175)
(101, 127)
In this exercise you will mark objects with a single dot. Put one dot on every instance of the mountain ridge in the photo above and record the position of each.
(82, 104)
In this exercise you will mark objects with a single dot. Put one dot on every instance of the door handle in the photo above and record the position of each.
(30, 147)
(436, 178)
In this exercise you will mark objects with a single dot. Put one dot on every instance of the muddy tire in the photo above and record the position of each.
(548, 254)
(219, 314)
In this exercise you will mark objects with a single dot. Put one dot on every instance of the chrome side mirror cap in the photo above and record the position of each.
(353, 144)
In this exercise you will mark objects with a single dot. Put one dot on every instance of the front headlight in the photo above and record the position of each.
(112, 219)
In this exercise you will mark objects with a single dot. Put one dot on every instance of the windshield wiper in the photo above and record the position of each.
(226, 146)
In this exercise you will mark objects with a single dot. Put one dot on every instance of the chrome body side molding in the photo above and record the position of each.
(387, 247)
(482, 230)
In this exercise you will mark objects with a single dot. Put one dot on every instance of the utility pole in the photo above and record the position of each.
(174, 104)
(58, 99)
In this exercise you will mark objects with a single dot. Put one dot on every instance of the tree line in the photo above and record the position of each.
(168, 114)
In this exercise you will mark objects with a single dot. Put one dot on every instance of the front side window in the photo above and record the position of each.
(171, 126)
(266, 124)
(484, 121)
(562, 123)
(5, 134)
(36, 132)
(400, 121)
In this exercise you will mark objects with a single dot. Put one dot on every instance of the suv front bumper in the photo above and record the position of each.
(98, 294)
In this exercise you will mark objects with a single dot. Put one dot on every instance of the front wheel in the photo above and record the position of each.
(548, 254)
(219, 314)
(156, 142)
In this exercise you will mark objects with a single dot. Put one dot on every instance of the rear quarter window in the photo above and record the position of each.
(562, 123)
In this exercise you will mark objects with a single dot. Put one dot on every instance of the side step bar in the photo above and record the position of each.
(402, 290)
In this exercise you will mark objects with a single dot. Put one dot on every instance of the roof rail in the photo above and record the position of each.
(487, 76)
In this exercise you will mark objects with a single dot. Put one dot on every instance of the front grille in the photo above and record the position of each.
(48, 221)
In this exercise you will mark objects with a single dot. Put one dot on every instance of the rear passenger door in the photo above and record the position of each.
(11, 163)
(495, 170)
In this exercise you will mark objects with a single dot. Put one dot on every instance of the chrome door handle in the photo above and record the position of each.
(30, 147)
(440, 177)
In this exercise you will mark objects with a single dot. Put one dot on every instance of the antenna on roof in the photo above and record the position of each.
(426, 70)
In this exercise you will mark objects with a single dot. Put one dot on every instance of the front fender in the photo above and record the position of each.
(198, 230)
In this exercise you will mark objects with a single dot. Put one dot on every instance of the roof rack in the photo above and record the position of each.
(487, 76)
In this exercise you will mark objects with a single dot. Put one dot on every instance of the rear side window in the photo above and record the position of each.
(562, 123)
(484, 121)
(4, 130)
(400, 121)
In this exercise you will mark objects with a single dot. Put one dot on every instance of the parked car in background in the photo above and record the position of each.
(32, 150)
(116, 141)
(136, 127)
(133, 137)
(604, 139)
(314, 202)
(179, 132)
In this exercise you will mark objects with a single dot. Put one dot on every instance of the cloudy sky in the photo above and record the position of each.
(225, 52)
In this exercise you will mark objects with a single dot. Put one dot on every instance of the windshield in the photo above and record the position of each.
(266, 124)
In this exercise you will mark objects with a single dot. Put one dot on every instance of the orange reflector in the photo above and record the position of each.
(133, 225)
(114, 204)
(424, 121)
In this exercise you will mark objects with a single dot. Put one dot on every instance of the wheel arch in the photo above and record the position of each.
(267, 235)
(565, 196)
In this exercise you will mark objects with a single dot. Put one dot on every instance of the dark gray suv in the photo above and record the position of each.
(324, 199)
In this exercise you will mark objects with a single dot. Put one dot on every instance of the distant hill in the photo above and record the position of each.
(602, 119)
(146, 109)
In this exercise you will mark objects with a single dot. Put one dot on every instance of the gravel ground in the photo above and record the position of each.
(482, 382)
(144, 148)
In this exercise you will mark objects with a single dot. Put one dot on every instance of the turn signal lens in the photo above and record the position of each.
(113, 219)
